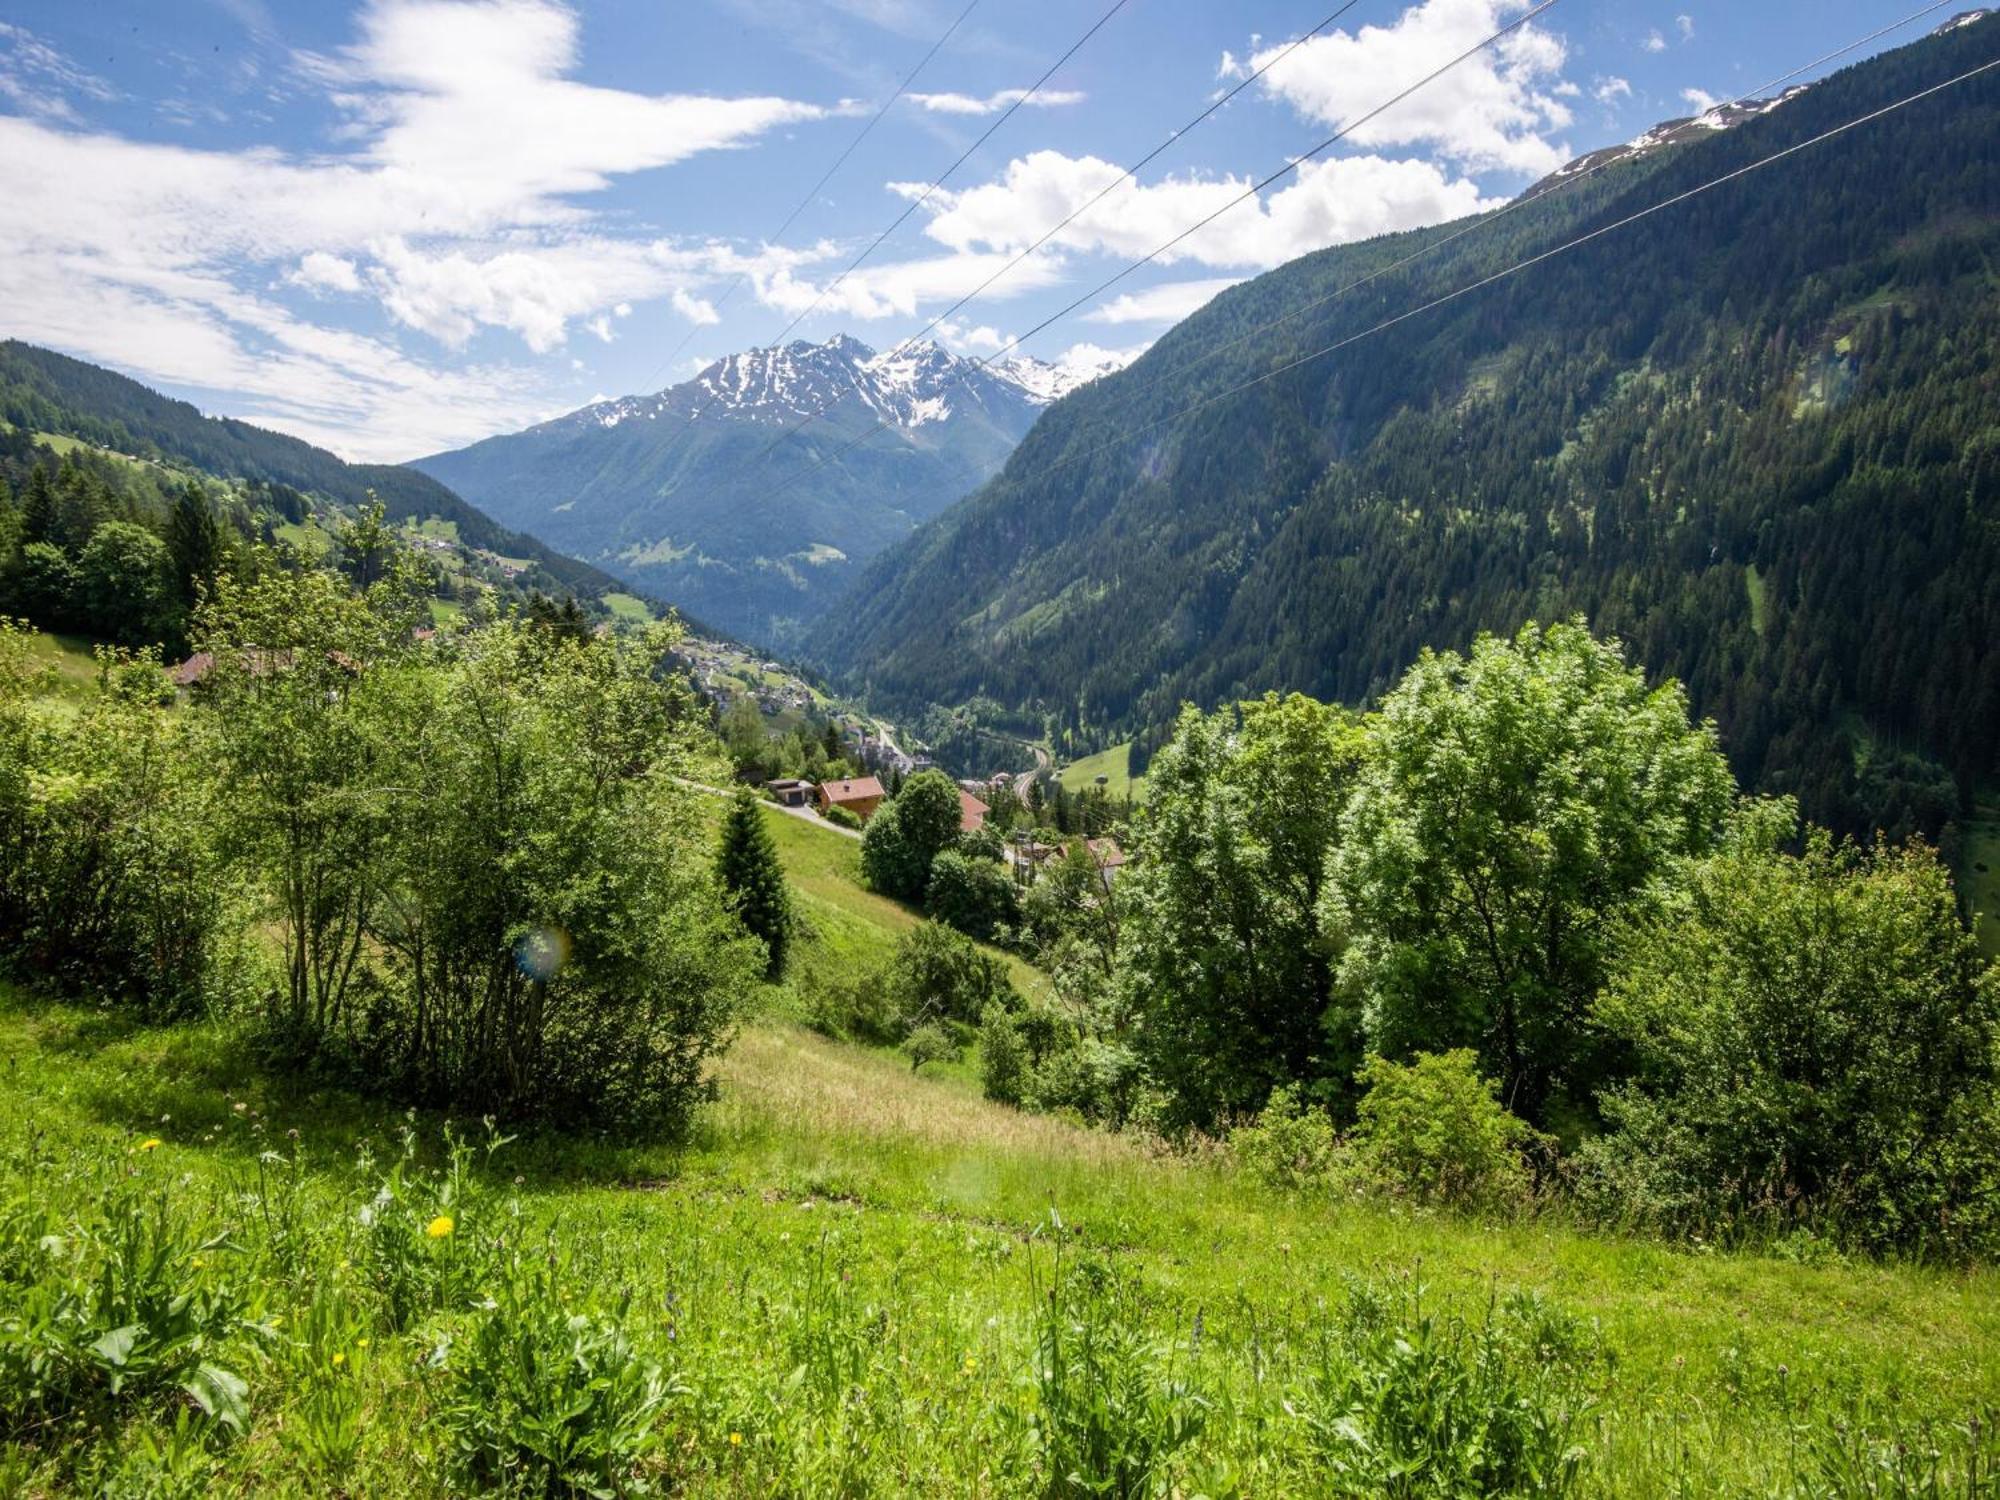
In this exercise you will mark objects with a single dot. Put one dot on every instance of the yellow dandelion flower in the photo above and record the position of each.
(736, 1440)
(151, 1143)
(439, 1227)
(361, 1343)
(340, 1359)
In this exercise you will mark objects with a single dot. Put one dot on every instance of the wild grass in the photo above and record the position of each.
(862, 1282)
(1081, 775)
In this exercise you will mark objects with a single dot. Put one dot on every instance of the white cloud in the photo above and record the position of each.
(1490, 112)
(1685, 26)
(1327, 203)
(319, 271)
(1654, 42)
(992, 104)
(39, 80)
(1700, 100)
(1169, 302)
(1611, 90)
(453, 198)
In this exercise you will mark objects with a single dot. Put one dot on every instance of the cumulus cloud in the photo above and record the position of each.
(992, 104)
(319, 271)
(1701, 101)
(1327, 203)
(1492, 112)
(1654, 42)
(1611, 90)
(1169, 302)
(1685, 26)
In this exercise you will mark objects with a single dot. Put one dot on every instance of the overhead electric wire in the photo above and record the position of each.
(1523, 265)
(1482, 283)
(1290, 166)
(825, 177)
(1486, 221)
(1129, 174)
(918, 202)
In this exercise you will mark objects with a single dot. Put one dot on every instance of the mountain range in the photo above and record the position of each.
(1756, 436)
(729, 494)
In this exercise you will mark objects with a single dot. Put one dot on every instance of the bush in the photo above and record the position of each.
(930, 1042)
(905, 835)
(976, 896)
(543, 1401)
(1815, 1040)
(1003, 1057)
(1291, 1145)
(1434, 1131)
(1112, 1412)
(111, 881)
(859, 1009)
(937, 975)
(840, 817)
(1429, 1407)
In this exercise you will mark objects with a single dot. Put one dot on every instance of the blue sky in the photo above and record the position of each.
(396, 226)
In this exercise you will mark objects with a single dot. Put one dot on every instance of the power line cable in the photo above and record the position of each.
(1486, 221)
(1255, 188)
(1129, 174)
(825, 177)
(1502, 275)
(1523, 265)
(918, 202)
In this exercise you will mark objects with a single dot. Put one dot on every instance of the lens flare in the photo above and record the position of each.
(540, 954)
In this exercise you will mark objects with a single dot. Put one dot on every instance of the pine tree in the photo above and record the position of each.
(38, 507)
(195, 541)
(754, 880)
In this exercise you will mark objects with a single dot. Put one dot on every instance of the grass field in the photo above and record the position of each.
(845, 1278)
(859, 1281)
(629, 608)
(1081, 775)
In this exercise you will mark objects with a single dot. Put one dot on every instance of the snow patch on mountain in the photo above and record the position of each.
(1669, 133)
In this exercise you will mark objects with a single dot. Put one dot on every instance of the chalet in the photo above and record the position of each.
(861, 796)
(971, 812)
(1109, 858)
(790, 793)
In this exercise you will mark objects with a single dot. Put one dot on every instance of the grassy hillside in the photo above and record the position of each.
(845, 1279)
(82, 404)
(1081, 775)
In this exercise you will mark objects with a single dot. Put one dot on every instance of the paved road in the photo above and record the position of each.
(805, 814)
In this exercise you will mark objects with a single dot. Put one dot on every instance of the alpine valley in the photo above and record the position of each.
(724, 493)
(1754, 436)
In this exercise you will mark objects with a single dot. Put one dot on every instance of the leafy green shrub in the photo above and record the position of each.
(540, 1400)
(856, 1009)
(1003, 1057)
(111, 882)
(976, 896)
(1815, 1039)
(1112, 1410)
(1291, 1145)
(930, 1042)
(1429, 1407)
(840, 817)
(937, 975)
(1434, 1131)
(114, 1309)
(907, 834)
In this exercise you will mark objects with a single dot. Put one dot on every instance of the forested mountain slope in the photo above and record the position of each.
(1758, 436)
(43, 391)
(712, 492)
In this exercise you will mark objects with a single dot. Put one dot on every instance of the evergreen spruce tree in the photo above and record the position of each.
(195, 541)
(38, 507)
(754, 880)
